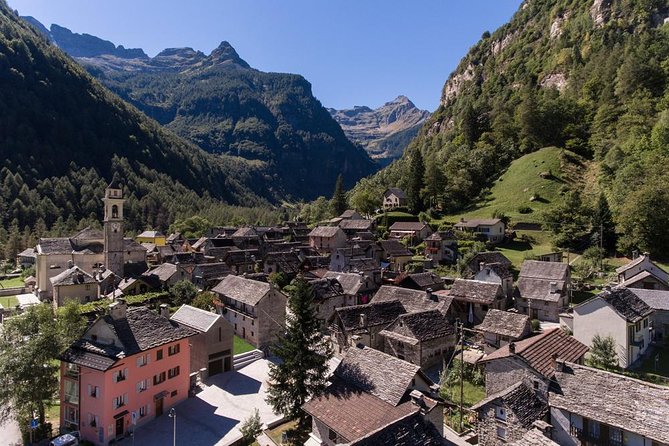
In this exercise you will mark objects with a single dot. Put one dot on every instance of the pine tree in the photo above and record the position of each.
(338, 202)
(602, 224)
(304, 354)
(416, 181)
(435, 183)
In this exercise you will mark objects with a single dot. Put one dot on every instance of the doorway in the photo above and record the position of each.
(119, 427)
(159, 407)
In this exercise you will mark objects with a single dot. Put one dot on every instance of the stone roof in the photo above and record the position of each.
(538, 351)
(131, 245)
(150, 247)
(87, 234)
(522, 400)
(475, 291)
(425, 280)
(641, 276)
(348, 213)
(361, 265)
(212, 270)
(324, 231)
(534, 437)
(412, 430)
(503, 270)
(539, 289)
(631, 264)
(536, 269)
(488, 257)
(412, 300)
(356, 225)
(151, 234)
(626, 303)
(56, 245)
(163, 271)
(288, 262)
(142, 329)
(28, 252)
(426, 325)
(407, 226)
(612, 399)
(72, 276)
(174, 236)
(350, 282)
(504, 323)
(326, 288)
(245, 232)
(353, 413)
(441, 235)
(242, 290)
(376, 313)
(196, 318)
(655, 299)
(384, 376)
(395, 191)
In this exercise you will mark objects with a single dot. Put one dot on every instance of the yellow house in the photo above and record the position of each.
(155, 237)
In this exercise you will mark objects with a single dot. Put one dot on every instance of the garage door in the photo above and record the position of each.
(215, 367)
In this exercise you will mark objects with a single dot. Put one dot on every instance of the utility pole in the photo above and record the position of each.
(462, 371)
(601, 246)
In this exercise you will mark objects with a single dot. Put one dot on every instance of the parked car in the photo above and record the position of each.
(65, 440)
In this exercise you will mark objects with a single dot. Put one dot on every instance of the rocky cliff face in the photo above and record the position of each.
(384, 132)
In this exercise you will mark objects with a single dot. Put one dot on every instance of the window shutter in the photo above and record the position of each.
(97, 392)
(125, 372)
(125, 398)
(148, 408)
(89, 391)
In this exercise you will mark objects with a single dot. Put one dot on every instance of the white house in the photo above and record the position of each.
(492, 229)
(394, 198)
(643, 273)
(618, 313)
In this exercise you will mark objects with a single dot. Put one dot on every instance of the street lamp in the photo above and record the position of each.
(173, 415)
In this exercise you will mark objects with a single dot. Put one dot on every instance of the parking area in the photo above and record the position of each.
(214, 415)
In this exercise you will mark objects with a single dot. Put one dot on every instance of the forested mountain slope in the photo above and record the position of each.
(220, 103)
(588, 76)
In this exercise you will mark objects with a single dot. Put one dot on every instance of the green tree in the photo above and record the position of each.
(304, 354)
(416, 181)
(603, 353)
(204, 301)
(251, 427)
(338, 201)
(192, 227)
(183, 292)
(604, 230)
(435, 183)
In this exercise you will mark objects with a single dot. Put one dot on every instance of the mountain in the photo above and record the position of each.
(587, 76)
(384, 132)
(220, 103)
(63, 135)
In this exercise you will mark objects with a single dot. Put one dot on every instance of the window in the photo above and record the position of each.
(143, 411)
(645, 323)
(141, 386)
(593, 429)
(637, 326)
(120, 401)
(71, 389)
(93, 391)
(171, 373)
(159, 355)
(500, 413)
(219, 334)
(72, 370)
(142, 360)
(120, 375)
(93, 420)
(252, 334)
(501, 432)
(615, 436)
(173, 349)
(114, 211)
(71, 415)
(173, 394)
(159, 378)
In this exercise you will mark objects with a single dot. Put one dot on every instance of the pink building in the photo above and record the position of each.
(129, 367)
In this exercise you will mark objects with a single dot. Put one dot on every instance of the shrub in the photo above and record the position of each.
(536, 325)
(525, 210)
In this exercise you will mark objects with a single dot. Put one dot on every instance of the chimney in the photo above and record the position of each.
(70, 264)
(558, 365)
(553, 287)
(165, 311)
(430, 294)
(512, 348)
(481, 266)
(118, 309)
(635, 254)
(417, 398)
(646, 254)
(363, 319)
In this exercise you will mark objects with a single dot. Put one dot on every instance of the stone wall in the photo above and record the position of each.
(502, 373)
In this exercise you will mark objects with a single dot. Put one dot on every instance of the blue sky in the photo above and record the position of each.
(354, 52)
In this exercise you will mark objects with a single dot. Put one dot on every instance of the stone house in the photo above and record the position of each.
(618, 313)
(242, 261)
(423, 338)
(394, 198)
(130, 361)
(166, 274)
(365, 403)
(328, 296)
(531, 360)
(394, 255)
(358, 287)
(353, 227)
(485, 258)
(361, 324)
(592, 406)
(658, 301)
(441, 247)
(506, 416)
(473, 298)
(491, 230)
(211, 348)
(74, 284)
(256, 310)
(543, 289)
(216, 247)
(500, 328)
(642, 272)
(327, 238)
(415, 231)
(499, 273)
(288, 263)
(26, 258)
(350, 214)
(206, 275)
(246, 238)
(413, 300)
(131, 286)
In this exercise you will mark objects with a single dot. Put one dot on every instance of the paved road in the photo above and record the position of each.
(213, 416)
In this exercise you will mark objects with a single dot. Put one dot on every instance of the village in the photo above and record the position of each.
(493, 356)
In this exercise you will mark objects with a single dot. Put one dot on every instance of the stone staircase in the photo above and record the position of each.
(244, 359)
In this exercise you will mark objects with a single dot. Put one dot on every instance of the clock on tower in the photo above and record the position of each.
(113, 227)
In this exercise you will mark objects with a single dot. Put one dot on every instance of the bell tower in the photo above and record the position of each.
(113, 227)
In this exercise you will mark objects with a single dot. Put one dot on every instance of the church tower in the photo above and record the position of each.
(113, 227)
